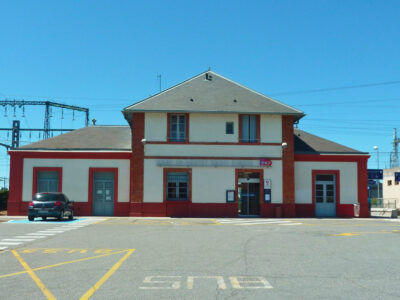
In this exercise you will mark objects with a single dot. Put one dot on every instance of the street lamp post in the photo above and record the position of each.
(377, 162)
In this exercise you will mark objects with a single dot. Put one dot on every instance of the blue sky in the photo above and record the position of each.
(106, 55)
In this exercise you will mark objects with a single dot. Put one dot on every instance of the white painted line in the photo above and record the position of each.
(31, 236)
(3, 248)
(18, 240)
(40, 234)
(293, 224)
(9, 243)
(45, 233)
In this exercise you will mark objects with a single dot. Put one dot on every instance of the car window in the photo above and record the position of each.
(45, 197)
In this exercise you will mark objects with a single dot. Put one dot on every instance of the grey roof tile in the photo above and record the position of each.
(307, 143)
(117, 138)
(218, 95)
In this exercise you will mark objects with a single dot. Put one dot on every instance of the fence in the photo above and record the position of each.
(384, 203)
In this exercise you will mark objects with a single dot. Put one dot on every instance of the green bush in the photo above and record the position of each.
(3, 199)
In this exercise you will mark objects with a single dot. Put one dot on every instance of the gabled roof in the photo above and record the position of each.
(307, 143)
(92, 138)
(210, 92)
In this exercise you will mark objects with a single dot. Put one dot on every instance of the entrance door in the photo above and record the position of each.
(325, 195)
(103, 194)
(249, 195)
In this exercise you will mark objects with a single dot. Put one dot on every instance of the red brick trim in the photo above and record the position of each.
(90, 185)
(71, 155)
(288, 191)
(36, 170)
(258, 142)
(14, 201)
(209, 157)
(213, 143)
(337, 186)
(165, 171)
(169, 128)
(137, 163)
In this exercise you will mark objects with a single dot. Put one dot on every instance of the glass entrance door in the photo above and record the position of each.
(325, 196)
(249, 196)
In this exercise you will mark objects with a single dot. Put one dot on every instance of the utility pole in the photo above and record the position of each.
(394, 156)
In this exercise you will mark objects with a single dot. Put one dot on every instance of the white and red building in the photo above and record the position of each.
(207, 147)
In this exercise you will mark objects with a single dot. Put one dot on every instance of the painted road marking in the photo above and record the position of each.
(10, 243)
(106, 276)
(365, 232)
(173, 282)
(40, 234)
(249, 222)
(3, 248)
(66, 263)
(34, 277)
(30, 236)
(18, 240)
(48, 221)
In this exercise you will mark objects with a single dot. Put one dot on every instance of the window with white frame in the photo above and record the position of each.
(178, 128)
(177, 186)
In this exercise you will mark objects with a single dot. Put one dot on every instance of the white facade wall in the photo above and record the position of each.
(209, 184)
(155, 127)
(212, 150)
(390, 193)
(75, 176)
(270, 129)
(348, 180)
(211, 128)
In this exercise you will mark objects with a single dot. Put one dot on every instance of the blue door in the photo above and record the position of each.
(103, 194)
(325, 195)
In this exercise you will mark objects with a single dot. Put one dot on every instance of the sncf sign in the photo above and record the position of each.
(265, 162)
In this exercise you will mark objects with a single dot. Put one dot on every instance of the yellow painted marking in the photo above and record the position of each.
(77, 250)
(216, 222)
(106, 276)
(346, 234)
(36, 279)
(64, 263)
(98, 222)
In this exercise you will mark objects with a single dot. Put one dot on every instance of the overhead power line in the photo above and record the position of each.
(346, 87)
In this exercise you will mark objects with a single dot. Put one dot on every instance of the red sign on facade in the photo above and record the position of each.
(265, 162)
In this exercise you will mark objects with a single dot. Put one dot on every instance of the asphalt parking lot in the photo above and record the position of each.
(164, 258)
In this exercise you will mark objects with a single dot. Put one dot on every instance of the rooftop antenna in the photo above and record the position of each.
(159, 82)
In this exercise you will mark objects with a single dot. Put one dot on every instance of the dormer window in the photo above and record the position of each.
(177, 128)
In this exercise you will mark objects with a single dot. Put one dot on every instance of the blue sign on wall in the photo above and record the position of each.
(396, 176)
(375, 174)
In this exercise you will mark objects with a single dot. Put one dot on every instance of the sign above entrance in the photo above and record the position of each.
(265, 162)
(375, 174)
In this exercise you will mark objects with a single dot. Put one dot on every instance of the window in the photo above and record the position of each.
(249, 128)
(229, 128)
(177, 186)
(177, 129)
(396, 183)
(389, 182)
(47, 181)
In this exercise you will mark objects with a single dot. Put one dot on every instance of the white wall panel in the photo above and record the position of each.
(275, 174)
(348, 180)
(209, 185)
(153, 182)
(75, 176)
(271, 129)
(211, 128)
(155, 127)
(212, 150)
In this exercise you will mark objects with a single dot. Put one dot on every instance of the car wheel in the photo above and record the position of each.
(61, 216)
(71, 216)
(44, 218)
(31, 218)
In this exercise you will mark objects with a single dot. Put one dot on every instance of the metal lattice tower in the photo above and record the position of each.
(394, 155)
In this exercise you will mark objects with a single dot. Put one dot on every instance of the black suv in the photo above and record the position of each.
(50, 205)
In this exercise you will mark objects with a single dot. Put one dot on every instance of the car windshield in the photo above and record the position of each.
(46, 197)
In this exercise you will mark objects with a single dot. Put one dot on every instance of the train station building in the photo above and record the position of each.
(207, 147)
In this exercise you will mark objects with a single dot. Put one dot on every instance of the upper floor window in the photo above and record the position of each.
(249, 128)
(177, 129)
